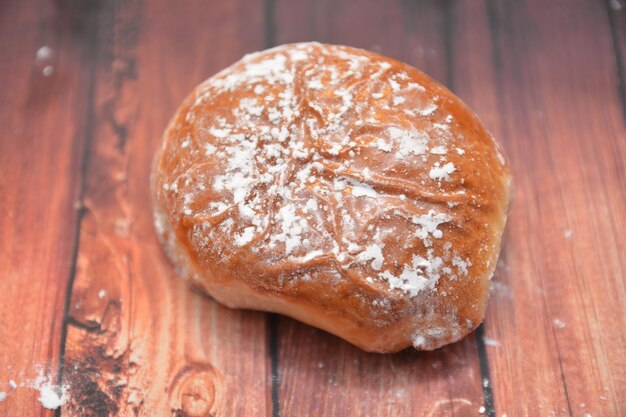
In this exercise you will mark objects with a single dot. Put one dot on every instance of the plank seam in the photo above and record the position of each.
(494, 31)
(269, 23)
(272, 324)
(558, 352)
(617, 52)
(483, 361)
(448, 36)
(90, 49)
(272, 319)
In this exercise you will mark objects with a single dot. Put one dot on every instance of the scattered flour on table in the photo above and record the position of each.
(44, 53)
(616, 4)
(490, 342)
(48, 70)
(502, 290)
(51, 396)
(43, 58)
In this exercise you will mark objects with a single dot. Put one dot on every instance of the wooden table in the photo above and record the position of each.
(88, 300)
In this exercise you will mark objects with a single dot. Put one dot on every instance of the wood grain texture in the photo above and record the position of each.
(42, 118)
(560, 313)
(616, 10)
(348, 381)
(546, 77)
(139, 342)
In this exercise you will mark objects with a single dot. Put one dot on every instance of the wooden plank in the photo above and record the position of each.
(559, 312)
(320, 374)
(42, 114)
(139, 341)
(416, 32)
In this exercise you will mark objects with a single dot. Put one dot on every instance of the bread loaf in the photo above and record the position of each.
(338, 187)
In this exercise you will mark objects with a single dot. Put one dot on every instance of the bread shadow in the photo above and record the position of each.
(352, 380)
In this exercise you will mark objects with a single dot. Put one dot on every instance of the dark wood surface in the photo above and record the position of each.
(88, 301)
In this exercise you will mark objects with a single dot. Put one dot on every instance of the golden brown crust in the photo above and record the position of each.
(339, 187)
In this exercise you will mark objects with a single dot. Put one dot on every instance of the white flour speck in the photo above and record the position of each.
(48, 70)
(490, 342)
(439, 150)
(43, 53)
(52, 397)
(441, 173)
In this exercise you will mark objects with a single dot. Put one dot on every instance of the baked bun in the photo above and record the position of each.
(338, 187)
